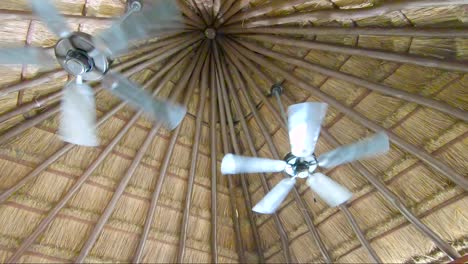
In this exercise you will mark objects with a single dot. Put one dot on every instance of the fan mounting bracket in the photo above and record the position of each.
(79, 57)
(276, 89)
(300, 167)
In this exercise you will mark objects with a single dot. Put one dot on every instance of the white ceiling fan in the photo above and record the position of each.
(88, 58)
(304, 121)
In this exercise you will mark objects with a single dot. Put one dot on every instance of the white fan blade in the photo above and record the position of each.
(366, 148)
(48, 14)
(25, 55)
(272, 201)
(78, 120)
(328, 190)
(234, 164)
(170, 114)
(138, 25)
(304, 121)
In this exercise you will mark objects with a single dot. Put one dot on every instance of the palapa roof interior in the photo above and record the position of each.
(378, 66)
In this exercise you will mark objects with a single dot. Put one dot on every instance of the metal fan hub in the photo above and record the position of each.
(78, 56)
(300, 167)
(77, 62)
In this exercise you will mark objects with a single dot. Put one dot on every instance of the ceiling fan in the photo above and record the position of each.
(304, 121)
(88, 58)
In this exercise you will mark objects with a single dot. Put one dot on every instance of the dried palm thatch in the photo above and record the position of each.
(151, 195)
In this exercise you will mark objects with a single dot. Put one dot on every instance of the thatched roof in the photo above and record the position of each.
(398, 66)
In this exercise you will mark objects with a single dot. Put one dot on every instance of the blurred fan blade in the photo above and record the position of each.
(25, 55)
(48, 14)
(234, 164)
(304, 121)
(328, 190)
(138, 25)
(366, 148)
(78, 120)
(272, 201)
(169, 114)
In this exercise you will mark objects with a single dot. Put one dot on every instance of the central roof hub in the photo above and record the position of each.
(210, 33)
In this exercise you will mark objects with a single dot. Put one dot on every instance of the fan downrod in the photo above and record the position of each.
(300, 167)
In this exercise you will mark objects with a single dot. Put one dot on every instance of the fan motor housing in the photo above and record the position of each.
(299, 166)
(73, 54)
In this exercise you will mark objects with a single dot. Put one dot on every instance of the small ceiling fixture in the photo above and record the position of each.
(304, 122)
(88, 58)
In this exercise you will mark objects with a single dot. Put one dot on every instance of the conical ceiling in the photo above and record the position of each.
(151, 195)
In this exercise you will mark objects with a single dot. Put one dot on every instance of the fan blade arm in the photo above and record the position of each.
(275, 197)
(328, 190)
(304, 124)
(25, 55)
(375, 145)
(169, 114)
(138, 25)
(50, 15)
(235, 164)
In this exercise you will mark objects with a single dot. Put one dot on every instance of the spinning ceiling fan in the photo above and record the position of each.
(304, 121)
(88, 58)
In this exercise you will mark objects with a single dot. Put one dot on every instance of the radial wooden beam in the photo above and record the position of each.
(70, 193)
(224, 111)
(265, 9)
(230, 85)
(129, 173)
(162, 172)
(216, 8)
(362, 238)
(300, 203)
(384, 190)
(214, 161)
(117, 194)
(37, 103)
(410, 97)
(446, 64)
(251, 83)
(191, 15)
(203, 11)
(226, 5)
(32, 82)
(200, 73)
(235, 8)
(372, 31)
(350, 14)
(353, 114)
(15, 131)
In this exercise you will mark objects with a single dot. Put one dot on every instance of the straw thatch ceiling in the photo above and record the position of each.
(60, 203)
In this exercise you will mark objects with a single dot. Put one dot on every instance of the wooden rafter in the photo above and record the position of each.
(225, 141)
(447, 64)
(214, 161)
(371, 31)
(200, 68)
(348, 14)
(162, 173)
(226, 117)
